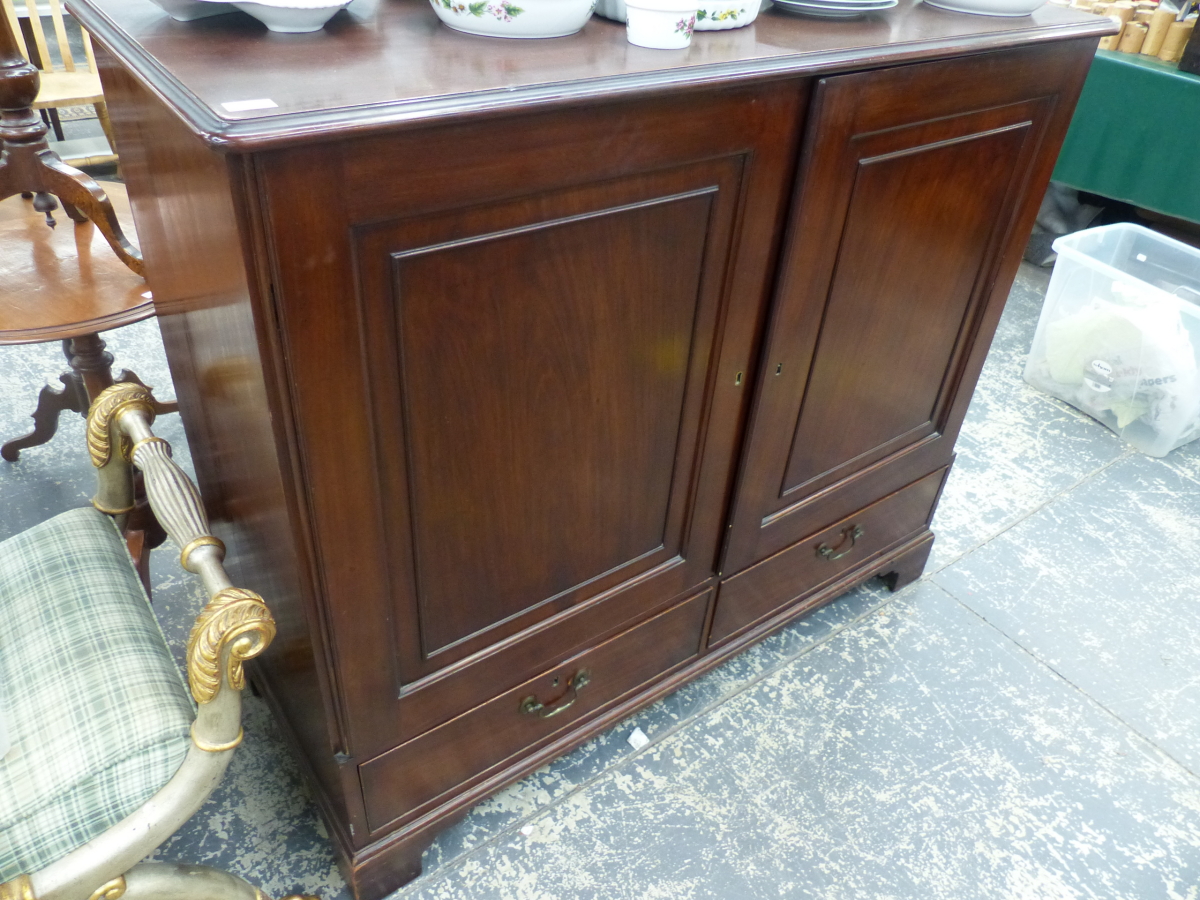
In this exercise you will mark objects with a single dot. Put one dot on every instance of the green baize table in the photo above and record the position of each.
(1136, 135)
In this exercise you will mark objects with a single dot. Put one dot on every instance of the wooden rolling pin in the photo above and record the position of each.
(1176, 39)
(1160, 23)
(1132, 37)
(1120, 12)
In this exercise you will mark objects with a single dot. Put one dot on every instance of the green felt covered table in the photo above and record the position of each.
(1135, 135)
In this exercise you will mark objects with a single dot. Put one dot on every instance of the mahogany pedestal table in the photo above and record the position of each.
(65, 283)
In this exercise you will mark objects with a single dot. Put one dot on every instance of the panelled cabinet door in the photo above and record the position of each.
(913, 190)
(514, 347)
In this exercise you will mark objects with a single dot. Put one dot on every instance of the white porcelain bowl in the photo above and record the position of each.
(660, 24)
(190, 10)
(713, 15)
(515, 18)
(989, 7)
(291, 19)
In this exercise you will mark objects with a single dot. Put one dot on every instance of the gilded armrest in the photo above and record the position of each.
(234, 626)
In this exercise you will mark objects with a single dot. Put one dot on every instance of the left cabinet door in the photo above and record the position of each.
(513, 350)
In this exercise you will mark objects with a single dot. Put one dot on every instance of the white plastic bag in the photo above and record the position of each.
(1134, 359)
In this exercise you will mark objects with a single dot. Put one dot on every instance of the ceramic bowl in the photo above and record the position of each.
(713, 15)
(989, 7)
(287, 16)
(190, 10)
(515, 18)
(660, 24)
(293, 19)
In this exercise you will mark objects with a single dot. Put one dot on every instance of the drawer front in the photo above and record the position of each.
(854, 541)
(410, 778)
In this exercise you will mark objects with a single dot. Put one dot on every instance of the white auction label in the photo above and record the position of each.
(638, 740)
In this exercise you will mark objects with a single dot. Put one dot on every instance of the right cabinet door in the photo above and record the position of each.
(916, 190)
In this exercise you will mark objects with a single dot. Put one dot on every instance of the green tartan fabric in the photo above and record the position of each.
(96, 710)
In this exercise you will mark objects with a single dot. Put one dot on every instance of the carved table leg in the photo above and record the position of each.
(91, 372)
(161, 407)
(76, 216)
(50, 404)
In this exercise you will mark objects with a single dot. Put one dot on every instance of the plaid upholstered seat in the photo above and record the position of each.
(96, 710)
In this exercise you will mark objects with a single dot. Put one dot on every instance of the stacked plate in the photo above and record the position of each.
(834, 9)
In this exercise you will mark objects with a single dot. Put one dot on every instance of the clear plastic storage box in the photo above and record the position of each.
(1119, 336)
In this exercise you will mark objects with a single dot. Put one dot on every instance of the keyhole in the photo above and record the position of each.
(737, 379)
(554, 683)
(779, 368)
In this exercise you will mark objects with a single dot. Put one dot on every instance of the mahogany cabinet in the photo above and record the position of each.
(531, 379)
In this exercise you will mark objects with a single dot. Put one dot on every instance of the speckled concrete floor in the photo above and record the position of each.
(1021, 723)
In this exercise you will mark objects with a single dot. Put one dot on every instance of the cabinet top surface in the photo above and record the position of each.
(383, 63)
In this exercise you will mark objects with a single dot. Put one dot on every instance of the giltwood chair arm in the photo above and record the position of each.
(234, 626)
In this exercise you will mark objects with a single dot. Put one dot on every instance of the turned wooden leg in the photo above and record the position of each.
(909, 567)
(92, 363)
(55, 123)
(142, 532)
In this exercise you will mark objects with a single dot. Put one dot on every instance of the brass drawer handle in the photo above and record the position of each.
(848, 534)
(531, 706)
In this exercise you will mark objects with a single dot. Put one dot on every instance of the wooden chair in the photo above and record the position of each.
(108, 756)
(71, 82)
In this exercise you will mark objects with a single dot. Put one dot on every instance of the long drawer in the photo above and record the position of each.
(760, 590)
(410, 778)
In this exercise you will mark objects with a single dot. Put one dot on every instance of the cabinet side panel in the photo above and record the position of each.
(184, 199)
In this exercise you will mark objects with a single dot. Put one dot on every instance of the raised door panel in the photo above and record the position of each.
(516, 352)
(544, 407)
(902, 292)
(539, 372)
(916, 188)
